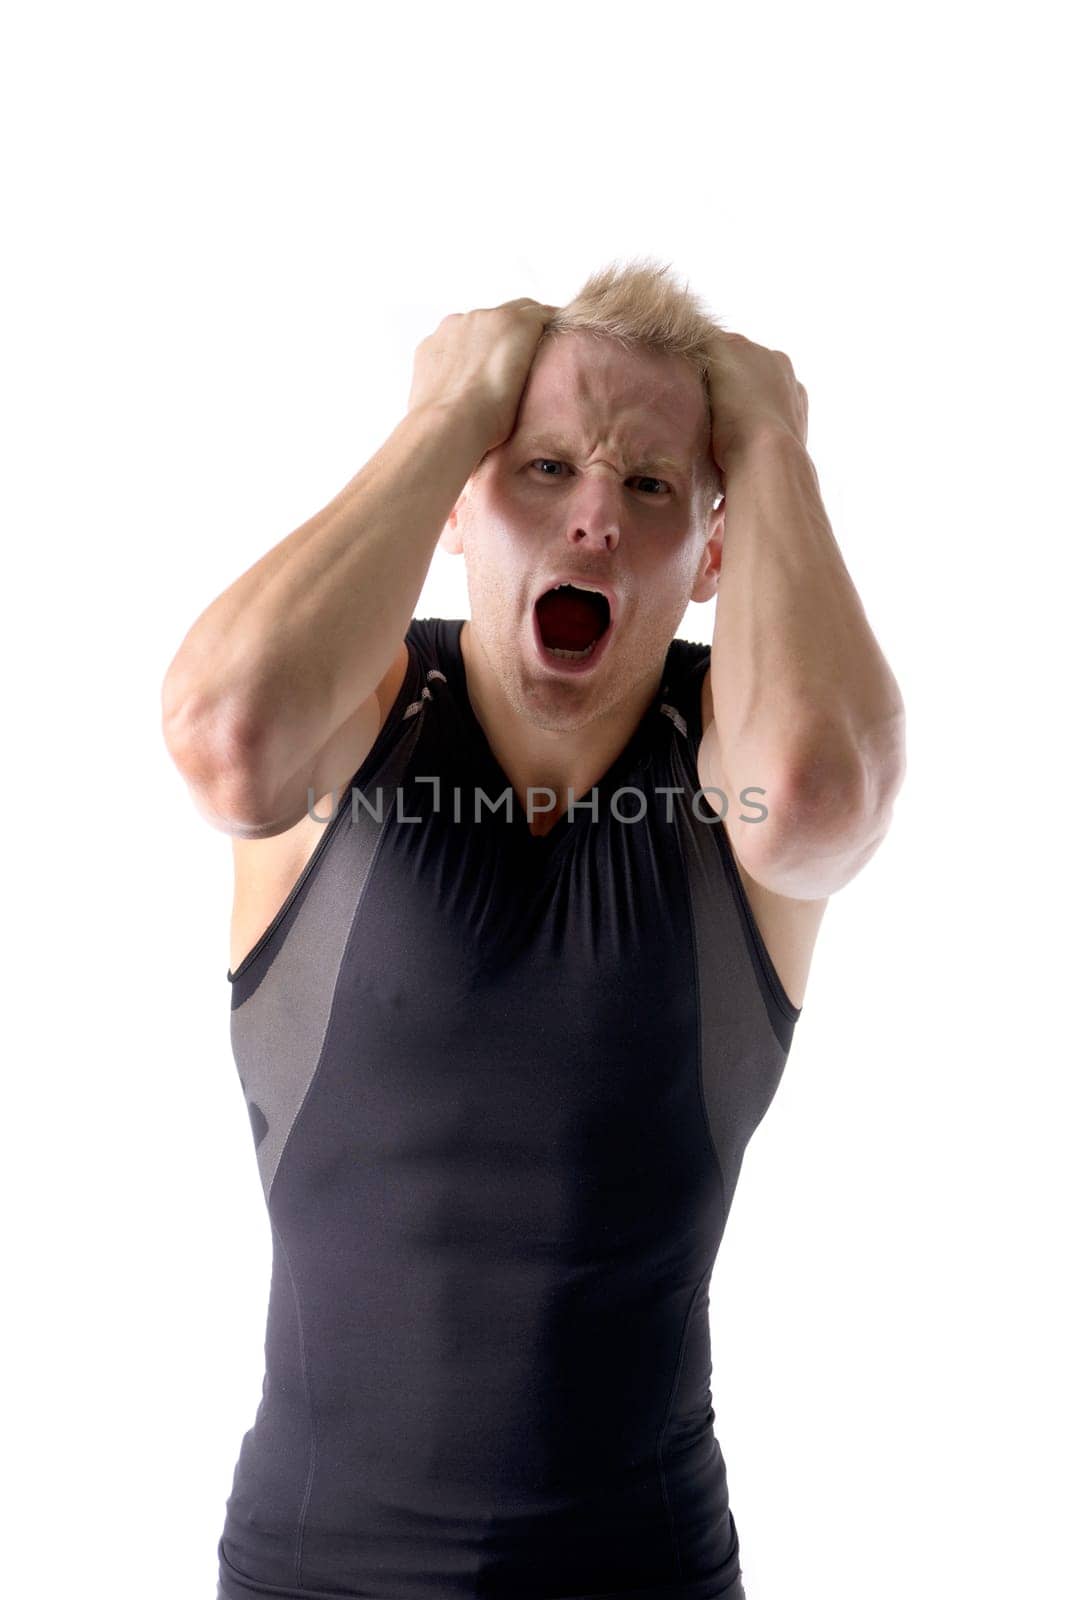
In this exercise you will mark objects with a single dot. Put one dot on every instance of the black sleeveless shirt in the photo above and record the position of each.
(500, 1087)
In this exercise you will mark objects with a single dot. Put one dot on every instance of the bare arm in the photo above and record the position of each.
(805, 704)
(281, 684)
(284, 664)
(800, 700)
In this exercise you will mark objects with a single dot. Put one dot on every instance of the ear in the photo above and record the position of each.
(707, 579)
(451, 535)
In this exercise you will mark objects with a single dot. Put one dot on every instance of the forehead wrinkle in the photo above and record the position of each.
(640, 459)
(581, 390)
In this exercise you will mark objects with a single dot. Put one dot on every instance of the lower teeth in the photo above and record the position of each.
(570, 655)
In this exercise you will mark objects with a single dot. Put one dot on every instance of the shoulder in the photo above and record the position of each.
(433, 636)
(688, 675)
(267, 871)
(687, 658)
(685, 671)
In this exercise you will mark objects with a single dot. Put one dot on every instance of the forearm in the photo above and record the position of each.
(291, 649)
(804, 701)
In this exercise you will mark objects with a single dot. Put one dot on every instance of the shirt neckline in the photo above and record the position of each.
(637, 749)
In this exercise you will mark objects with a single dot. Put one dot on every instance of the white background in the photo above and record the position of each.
(227, 229)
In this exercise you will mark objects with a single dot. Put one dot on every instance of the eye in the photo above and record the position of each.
(544, 461)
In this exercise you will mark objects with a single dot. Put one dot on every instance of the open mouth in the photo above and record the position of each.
(572, 620)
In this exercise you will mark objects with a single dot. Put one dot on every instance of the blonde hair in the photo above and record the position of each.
(642, 306)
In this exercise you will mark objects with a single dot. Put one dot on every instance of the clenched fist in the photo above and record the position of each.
(480, 361)
(752, 389)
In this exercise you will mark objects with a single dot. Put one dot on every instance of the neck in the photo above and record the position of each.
(536, 758)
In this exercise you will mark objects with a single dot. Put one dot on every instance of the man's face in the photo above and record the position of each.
(578, 492)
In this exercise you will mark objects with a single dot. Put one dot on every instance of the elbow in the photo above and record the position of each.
(199, 736)
(832, 821)
(854, 800)
(217, 760)
(849, 784)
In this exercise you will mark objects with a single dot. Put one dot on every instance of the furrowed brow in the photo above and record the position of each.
(549, 445)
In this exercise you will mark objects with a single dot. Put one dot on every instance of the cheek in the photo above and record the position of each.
(666, 568)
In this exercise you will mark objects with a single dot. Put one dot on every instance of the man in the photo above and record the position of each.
(507, 1013)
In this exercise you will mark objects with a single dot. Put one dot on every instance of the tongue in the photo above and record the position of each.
(570, 619)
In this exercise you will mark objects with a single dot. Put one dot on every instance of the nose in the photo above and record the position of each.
(594, 511)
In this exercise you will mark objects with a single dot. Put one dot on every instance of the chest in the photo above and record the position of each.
(480, 963)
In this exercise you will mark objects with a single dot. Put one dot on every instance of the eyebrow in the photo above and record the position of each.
(652, 461)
